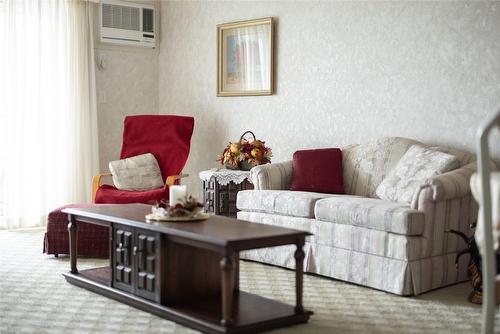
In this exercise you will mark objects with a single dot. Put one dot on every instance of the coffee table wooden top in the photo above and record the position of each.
(219, 231)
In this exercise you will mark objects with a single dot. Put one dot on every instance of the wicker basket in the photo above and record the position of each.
(229, 166)
(242, 165)
(245, 165)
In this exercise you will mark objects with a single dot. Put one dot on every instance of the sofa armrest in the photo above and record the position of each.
(277, 176)
(454, 184)
(447, 203)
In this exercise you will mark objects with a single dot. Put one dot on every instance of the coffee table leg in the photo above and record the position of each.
(227, 267)
(299, 273)
(73, 239)
(236, 271)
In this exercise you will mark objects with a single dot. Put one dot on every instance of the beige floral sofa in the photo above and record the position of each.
(396, 247)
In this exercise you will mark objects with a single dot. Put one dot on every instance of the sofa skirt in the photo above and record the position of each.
(398, 276)
(382, 273)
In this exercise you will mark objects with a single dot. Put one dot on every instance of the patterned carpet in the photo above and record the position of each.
(34, 297)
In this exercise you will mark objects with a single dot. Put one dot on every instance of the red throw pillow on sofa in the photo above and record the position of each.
(318, 171)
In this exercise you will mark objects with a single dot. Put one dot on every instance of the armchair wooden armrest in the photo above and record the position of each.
(172, 178)
(96, 181)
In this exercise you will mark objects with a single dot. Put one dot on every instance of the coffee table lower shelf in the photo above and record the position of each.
(252, 313)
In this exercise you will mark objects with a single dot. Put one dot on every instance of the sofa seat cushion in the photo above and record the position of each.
(371, 213)
(283, 202)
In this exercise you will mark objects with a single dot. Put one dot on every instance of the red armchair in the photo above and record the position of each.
(167, 137)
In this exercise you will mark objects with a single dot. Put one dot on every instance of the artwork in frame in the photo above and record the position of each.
(245, 52)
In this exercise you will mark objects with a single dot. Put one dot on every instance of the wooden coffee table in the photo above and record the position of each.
(186, 272)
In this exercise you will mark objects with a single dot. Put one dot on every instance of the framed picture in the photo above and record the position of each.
(245, 63)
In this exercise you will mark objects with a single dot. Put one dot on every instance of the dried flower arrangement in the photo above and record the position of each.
(246, 153)
(189, 206)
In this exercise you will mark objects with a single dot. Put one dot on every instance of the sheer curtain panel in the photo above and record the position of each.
(48, 140)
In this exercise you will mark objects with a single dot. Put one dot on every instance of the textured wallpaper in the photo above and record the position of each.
(346, 72)
(128, 85)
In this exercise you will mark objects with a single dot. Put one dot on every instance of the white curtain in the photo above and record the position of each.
(48, 127)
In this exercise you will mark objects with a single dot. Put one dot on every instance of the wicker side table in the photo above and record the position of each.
(220, 188)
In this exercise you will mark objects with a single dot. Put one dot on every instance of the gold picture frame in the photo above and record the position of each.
(245, 58)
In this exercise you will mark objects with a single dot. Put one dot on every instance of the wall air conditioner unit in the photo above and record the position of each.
(123, 22)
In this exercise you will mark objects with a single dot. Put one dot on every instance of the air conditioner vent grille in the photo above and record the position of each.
(120, 17)
(147, 20)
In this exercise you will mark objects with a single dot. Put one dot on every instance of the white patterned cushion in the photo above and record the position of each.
(371, 213)
(283, 202)
(137, 173)
(415, 167)
(463, 156)
(366, 165)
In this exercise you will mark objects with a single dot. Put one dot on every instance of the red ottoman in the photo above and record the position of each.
(93, 240)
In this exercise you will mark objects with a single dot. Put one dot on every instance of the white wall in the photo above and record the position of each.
(127, 85)
(347, 72)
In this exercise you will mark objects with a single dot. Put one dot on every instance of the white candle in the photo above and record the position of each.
(176, 194)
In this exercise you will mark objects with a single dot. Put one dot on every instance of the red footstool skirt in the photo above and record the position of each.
(93, 240)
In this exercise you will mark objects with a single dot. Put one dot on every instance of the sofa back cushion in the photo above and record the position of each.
(366, 165)
(417, 165)
(463, 157)
(318, 170)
